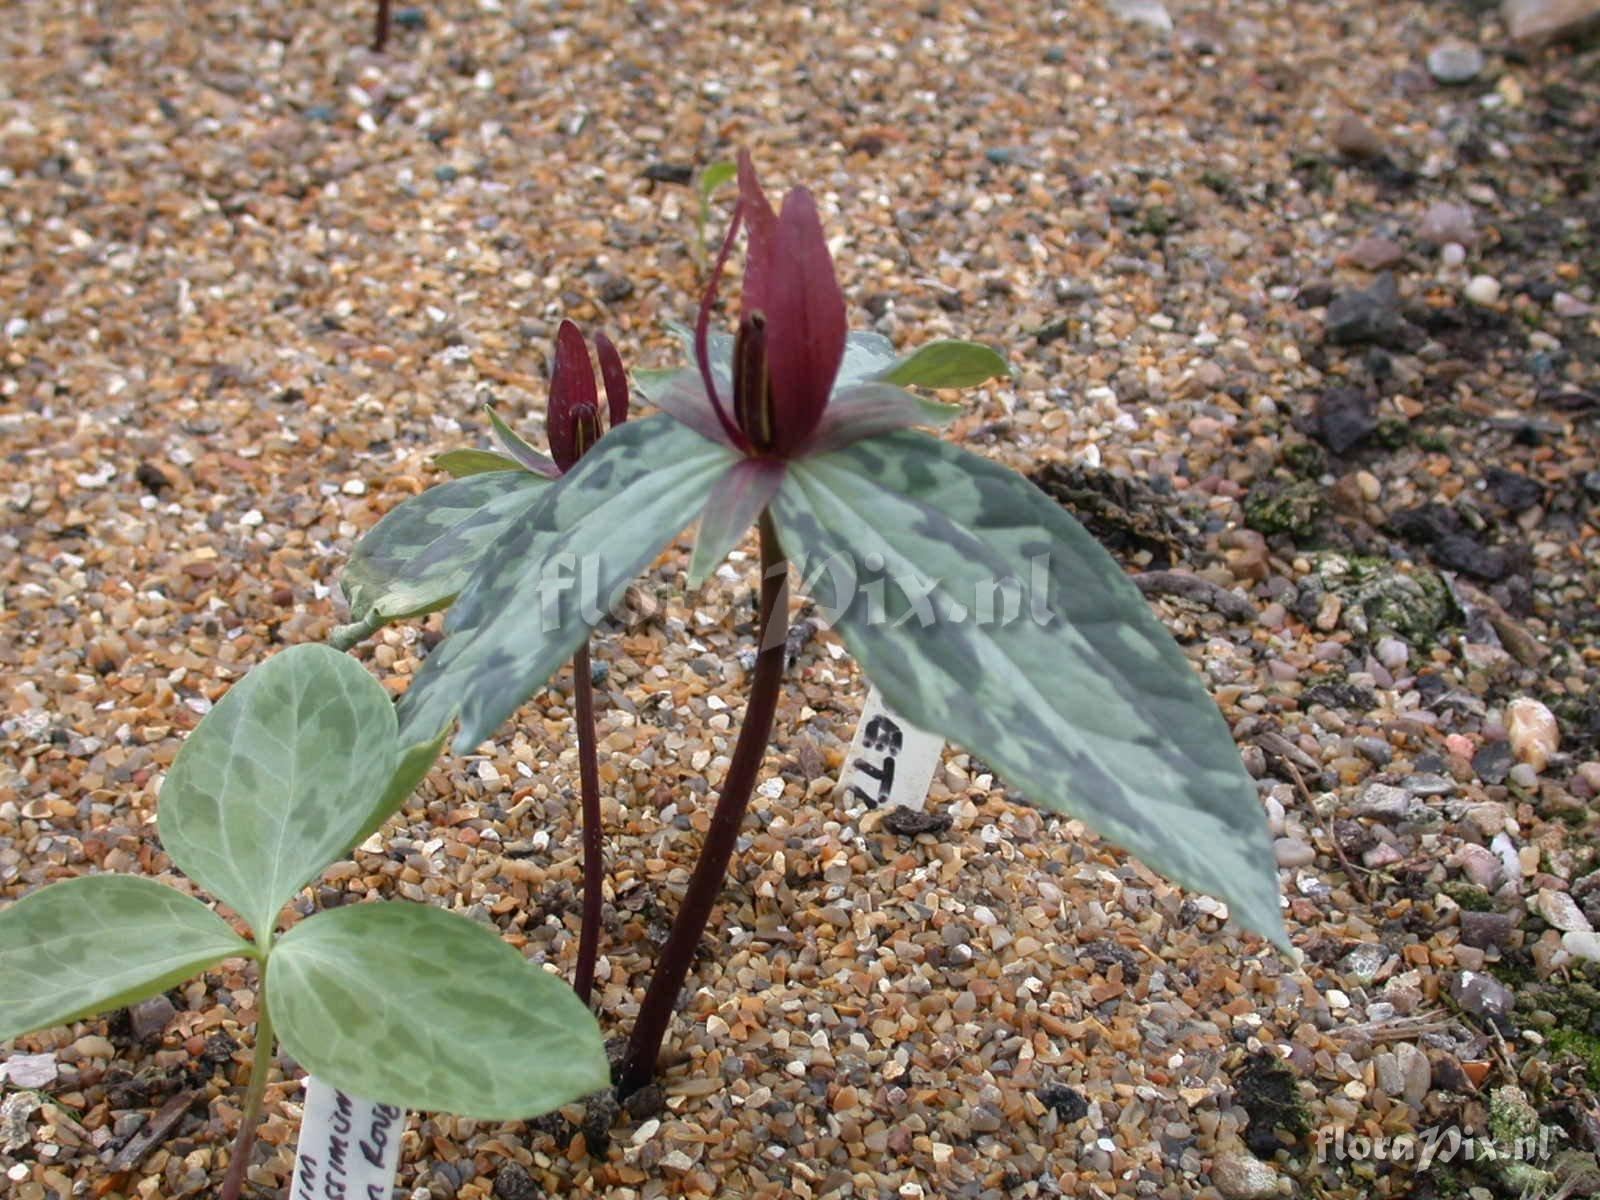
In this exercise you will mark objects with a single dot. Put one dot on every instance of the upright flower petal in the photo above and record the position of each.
(762, 224)
(616, 379)
(702, 334)
(805, 321)
(572, 395)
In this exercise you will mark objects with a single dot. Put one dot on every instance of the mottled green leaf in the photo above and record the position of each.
(526, 455)
(409, 1005)
(411, 768)
(948, 365)
(98, 943)
(1079, 698)
(556, 572)
(278, 779)
(416, 559)
(464, 463)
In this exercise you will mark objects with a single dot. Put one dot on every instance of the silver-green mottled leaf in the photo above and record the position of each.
(412, 1006)
(1080, 700)
(278, 779)
(556, 572)
(98, 943)
(416, 559)
(465, 463)
(411, 768)
(948, 365)
(518, 448)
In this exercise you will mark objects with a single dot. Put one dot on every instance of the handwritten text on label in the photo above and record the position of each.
(891, 762)
(349, 1148)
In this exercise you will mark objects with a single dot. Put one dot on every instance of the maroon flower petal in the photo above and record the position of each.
(702, 327)
(571, 389)
(806, 325)
(736, 500)
(762, 224)
(616, 379)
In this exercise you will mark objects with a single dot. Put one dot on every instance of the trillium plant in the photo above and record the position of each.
(979, 608)
(296, 764)
(418, 557)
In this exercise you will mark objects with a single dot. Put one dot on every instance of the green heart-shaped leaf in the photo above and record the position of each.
(417, 558)
(278, 779)
(988, 615)
(948, 365)
(549, 580)
(408, 1005)
(98, 943)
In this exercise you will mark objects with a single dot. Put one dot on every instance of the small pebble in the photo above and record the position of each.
(1483, 289)
(1455, 62)
(1291, 852)
(1532, 730)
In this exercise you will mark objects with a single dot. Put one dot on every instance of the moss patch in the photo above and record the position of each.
(1473, 899)
(1287, 508)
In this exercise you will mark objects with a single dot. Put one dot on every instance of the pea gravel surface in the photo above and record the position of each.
(1305, 335)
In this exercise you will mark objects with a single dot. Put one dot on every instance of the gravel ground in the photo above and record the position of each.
(1286, 314)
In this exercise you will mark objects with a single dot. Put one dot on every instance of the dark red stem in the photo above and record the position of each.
(380, 37)
(677, 956)
(594, 865)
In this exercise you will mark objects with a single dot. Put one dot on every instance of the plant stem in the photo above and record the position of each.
(677, 956)
(250, 1119)
(594, 863)
(380, 37)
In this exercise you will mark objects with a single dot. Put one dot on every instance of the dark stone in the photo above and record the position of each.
(615, 288)
(649, 1101)
(1450, 543)
(445, 173)
(1341, 695)
(149, 1018)
(1268, 1090)
(1512, 489)
(1486, 930)
(908, 822)
(1066, 1102)
(512, 1182)
(1106, 954)
(411, 18)
(1372, 317)
(1484, 996)
(219, 1051)
(600, 1113)
(1492, 762)
(1447, 1073)
(663, 172)
(1344, 418)
(1123, 514)
(152, 477)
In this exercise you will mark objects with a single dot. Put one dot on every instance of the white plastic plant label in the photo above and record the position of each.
(349, 1148)
(891, 761)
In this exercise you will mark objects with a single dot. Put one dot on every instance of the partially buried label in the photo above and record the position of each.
(349, 1148)
(891, 761)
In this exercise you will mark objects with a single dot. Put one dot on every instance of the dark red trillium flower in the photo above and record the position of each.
(792, 327)
(573, 419)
